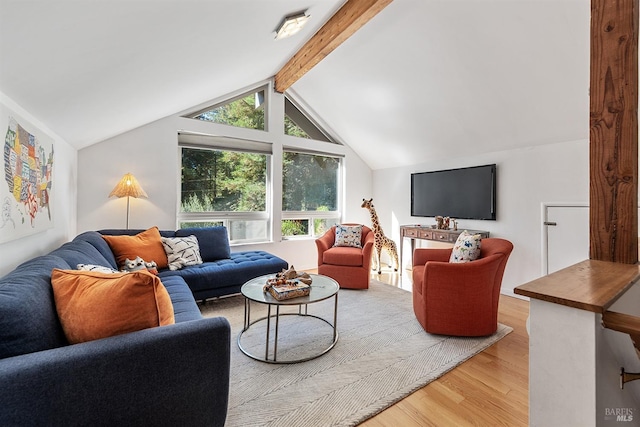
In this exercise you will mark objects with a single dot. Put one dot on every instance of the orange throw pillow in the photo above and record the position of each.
(146, 245)
(93, 305)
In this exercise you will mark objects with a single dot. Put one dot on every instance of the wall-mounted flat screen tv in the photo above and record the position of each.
(465, 193)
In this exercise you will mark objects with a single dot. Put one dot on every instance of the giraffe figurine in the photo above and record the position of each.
(380, 241)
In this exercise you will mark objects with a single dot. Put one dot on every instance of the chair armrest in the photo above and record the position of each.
(422, 255)
(325, 242)
(170, 375)
(367, 251)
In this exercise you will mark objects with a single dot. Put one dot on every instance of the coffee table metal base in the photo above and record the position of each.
(248, 323)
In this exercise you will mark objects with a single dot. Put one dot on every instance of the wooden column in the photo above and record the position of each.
(614, 131)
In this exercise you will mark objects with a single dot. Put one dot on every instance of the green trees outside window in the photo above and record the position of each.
(223, 181)
(246, 112)
(310, 182)
(229, 188)
(309, 193)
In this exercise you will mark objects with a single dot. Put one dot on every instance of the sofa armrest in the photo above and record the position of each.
(166, 376)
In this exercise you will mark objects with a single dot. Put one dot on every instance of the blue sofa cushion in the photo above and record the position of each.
(81, 252)
(101, 245)
(184, 306)
(239, 268)
(28, 318)
(213, 242)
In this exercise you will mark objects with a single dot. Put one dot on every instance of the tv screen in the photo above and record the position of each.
(466, 193)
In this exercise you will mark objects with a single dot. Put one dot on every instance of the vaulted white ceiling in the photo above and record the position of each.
(425, 79)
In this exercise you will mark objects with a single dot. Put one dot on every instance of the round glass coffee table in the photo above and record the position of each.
(322, 288)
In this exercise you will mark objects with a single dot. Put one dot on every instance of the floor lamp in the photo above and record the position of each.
(128, 187)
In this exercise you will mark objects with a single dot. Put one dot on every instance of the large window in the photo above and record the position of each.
(226, 180)
(224, 186)
(310, 193)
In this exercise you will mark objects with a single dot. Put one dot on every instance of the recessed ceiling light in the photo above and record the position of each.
(291, 25)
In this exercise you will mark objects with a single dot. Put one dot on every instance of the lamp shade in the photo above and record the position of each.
(128, 187)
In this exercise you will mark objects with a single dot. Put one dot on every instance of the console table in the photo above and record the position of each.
(426, 232)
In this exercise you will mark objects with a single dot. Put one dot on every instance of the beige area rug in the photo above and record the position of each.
(382, 355)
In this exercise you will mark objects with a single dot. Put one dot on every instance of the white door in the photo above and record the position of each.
(566, 231)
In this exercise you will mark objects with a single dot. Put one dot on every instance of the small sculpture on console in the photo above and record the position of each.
(445, 223)
(442, 222)
(439, 222)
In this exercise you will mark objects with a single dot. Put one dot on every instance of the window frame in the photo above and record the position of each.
(311, 118)
(264, 105)
(274, 137)
(191, 140)
(311, 216)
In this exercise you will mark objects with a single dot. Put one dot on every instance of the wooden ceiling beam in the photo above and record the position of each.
(342, 25)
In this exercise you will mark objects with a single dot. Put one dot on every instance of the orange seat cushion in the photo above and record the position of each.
(93, 305)
(146, 245)
(343, 255)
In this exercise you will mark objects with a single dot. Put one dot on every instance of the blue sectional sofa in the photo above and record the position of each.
(162, 376)
(223, 272)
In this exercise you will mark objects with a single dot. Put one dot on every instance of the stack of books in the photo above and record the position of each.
(288, 289)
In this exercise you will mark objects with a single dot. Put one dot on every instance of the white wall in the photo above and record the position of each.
(63, 200)
(526, 179)
(151, 154)
(562, 358)
(574, 366)
(617, 351)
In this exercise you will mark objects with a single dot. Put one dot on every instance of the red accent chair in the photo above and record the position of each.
(347, 265)
(459, 299)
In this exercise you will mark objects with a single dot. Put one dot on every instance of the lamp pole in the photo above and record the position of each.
(128, 211)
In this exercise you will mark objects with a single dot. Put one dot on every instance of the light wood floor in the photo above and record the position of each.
(490, 389)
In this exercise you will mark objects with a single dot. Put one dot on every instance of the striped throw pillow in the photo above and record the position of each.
(182, 251)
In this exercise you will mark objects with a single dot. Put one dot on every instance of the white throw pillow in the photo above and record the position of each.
(466, 248)
(348, 235)
(96, 268)
(182, 251)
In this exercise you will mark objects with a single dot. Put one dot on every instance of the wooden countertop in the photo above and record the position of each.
(589, 285)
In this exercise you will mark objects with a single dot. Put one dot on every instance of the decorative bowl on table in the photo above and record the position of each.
(288, 284)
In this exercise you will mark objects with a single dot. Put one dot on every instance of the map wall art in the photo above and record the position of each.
(26, 188)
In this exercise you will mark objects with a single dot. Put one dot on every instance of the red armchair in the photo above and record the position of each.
(349, 266)
(459, 299)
